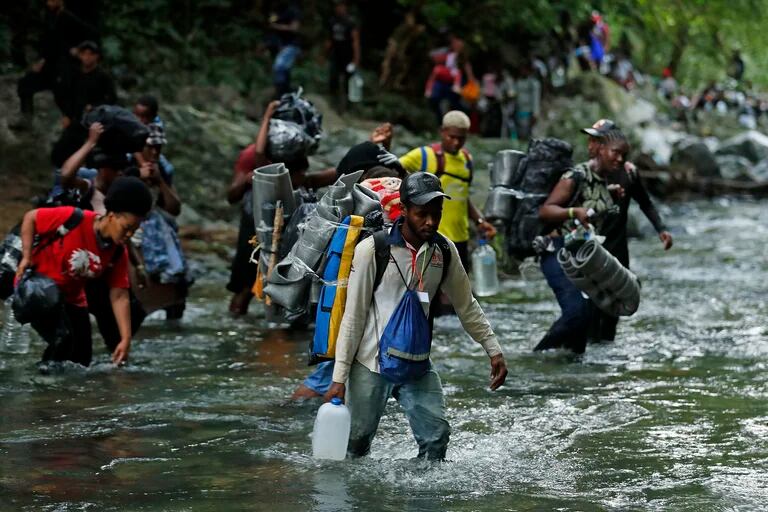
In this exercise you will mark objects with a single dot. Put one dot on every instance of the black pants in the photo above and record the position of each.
(51, 77)
(602, 326)
(243, 273)
(99, 305)
(68, 334)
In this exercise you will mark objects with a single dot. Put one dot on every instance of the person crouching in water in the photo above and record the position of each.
(582, 195)
(626, 185)
(419, 259)
(92, 248)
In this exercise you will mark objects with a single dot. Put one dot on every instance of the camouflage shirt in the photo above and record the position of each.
(592, 192)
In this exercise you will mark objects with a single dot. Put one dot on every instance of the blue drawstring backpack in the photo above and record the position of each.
(406, 342)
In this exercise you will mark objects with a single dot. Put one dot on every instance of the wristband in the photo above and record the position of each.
(570, 213)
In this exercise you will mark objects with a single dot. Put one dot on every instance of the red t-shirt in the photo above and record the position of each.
(77, 256)
(246, 161)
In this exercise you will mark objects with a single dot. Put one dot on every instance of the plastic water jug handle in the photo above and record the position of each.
(336, 401)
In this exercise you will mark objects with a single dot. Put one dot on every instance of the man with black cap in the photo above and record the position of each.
(87, 245)
(419, 259)
(626, 185)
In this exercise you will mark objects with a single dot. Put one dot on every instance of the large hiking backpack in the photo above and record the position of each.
(333, 295)
(539, 172)
(437, 149)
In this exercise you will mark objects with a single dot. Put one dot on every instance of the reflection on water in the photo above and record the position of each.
(672, 416)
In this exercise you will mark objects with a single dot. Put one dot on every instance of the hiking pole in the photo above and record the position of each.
(277, 230)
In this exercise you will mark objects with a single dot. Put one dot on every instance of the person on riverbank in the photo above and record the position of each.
(452, 163)
(582, 194)
(88, 87)
(63, 32)
(91, 249)
(626, 184)
(284, 24)
(343, 48)
(420, 259)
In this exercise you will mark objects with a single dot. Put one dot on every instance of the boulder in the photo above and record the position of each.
(639, 112)
(657, 142)
(693, 153)
(733, 167)
(752, 145)
(760, 172)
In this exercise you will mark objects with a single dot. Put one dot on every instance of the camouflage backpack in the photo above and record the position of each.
(537, 175)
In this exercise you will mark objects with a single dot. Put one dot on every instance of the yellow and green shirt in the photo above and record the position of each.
(455, 223)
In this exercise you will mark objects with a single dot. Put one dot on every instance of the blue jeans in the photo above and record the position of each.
(570, 330)
(320, 378)
(421, 400)
(281, 69)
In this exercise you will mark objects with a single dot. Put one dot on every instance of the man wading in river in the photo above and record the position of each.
(369, 352)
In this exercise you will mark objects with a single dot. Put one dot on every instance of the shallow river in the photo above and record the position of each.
(673, 416)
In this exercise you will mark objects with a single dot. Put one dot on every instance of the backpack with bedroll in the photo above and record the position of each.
(538, 173)
(333, 295)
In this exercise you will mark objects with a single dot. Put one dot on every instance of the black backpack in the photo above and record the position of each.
(537, 175)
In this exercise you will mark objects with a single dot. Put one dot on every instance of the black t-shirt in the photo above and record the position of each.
(286, 16)
(340, 31)
(615, 229)
(94, 89)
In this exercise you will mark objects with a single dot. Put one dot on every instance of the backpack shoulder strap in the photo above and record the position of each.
(380, 255)
(437, 148)
(75, 218)
(470, 164)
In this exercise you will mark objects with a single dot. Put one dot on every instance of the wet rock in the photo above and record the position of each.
(639, 112)
(657, 142)
(733, 167)
(760, 171)
(752, 145)
(693, 153)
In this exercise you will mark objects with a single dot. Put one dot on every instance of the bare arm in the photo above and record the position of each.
(27, 234)
(263, 136)
(121, 307)
(240, 183)
(69, 177)
(486, 227)
(554, 210)
(287, 27)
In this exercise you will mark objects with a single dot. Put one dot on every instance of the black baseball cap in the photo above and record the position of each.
(89, 45)
(600, 128)
(420, 188)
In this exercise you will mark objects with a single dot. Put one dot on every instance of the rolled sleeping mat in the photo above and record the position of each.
(366, 200)
(288, 284)
(565, 259)
(272, 183)
(505, 167)
(500, 204)
(349, 180)
(603, 269)
(339, 196)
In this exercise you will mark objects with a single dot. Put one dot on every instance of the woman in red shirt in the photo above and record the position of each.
(89, 250)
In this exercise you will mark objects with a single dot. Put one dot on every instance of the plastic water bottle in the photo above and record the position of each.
(331, 433)
(14, 338)
(485, 276)
(355, 88)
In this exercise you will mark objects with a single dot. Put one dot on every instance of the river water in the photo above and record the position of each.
(674, 415)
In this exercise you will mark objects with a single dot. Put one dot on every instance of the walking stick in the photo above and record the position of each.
(277, 230)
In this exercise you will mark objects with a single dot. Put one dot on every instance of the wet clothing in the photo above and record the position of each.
(78, 256)
(243, 272)
(570, 329)
(99, 305)
(366, 314)
(455, 182)
(422, 402)
(68, 334)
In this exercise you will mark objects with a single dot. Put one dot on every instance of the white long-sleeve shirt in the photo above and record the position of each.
(367, 312)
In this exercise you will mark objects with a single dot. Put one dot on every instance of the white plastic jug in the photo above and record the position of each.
(355, 88)
(484, 275)
(331, 433)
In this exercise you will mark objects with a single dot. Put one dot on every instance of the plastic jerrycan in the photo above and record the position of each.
(485, 277)
(331, 433)
(355, 88)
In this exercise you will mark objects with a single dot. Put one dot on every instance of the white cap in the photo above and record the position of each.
(456, 119)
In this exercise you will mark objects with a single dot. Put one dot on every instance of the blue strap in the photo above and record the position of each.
(423, 158)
